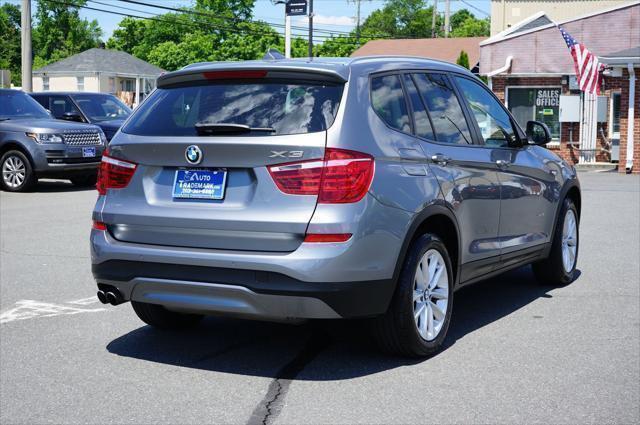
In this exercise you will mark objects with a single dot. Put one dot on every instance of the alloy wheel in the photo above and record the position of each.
(569, 241)
(430, 294)
(14, 172)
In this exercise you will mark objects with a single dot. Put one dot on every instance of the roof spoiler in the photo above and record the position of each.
(291, 72)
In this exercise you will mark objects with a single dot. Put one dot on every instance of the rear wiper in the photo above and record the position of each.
(209, 129)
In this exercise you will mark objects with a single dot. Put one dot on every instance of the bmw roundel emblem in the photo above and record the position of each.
(193, 154)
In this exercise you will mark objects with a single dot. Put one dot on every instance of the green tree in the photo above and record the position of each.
(10, 41)
(127, 35)
(400, 18)
(459, 17)
(463, 59)
(472, 27)
(240, 9)
(60, 32)
(412, 19)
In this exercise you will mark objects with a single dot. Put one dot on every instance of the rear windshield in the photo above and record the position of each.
(286, 108)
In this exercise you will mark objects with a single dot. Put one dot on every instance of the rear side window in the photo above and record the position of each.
(388, 101)
(446, 113)
(420, 117)
(287, 108)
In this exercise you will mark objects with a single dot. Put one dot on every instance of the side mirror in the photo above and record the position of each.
(71, 116)
(538, 133)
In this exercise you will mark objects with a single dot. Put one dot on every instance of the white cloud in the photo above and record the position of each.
(346, 21)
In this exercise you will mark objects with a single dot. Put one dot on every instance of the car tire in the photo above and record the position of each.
(85, 180)
(399, 331)
(161, 318)
(17, 173)
(559, 268)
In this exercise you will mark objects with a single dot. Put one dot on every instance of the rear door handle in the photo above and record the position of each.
(502, 163)
(440, 159)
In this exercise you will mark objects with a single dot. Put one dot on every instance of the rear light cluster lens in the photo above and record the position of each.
(98, 225)
(114, 174)
(327, 237)
(343, 176)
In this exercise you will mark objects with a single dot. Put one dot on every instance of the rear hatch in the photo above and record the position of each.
(202, 143)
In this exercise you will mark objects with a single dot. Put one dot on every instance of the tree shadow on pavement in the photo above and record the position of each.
(336, 349)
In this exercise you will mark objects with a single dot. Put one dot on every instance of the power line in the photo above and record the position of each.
(476, 8)
(237, 29)
(210, 15)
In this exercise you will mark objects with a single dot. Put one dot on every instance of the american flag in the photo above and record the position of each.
(588, 68)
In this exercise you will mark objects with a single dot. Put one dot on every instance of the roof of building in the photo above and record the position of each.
(633, 52)
(540, 21)
(101, 60)
(542, 50)
(445, 49)
(622, 57)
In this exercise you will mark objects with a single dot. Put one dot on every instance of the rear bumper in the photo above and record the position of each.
(239, 292)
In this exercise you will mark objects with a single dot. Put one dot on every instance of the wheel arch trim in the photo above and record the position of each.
(419, 219)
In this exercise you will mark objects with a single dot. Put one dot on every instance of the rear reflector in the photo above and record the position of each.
(343, 176)
(98, 225)
(234, 75)
(327, 237)
(114, 174)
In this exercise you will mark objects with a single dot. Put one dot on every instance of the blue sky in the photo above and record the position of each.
(338, 15)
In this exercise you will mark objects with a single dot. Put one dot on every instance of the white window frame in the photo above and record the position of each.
(613, 135)
(80, 83)
(45, 83)
(553, 142)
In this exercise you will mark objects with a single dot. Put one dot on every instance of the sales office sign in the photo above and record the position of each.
(548, 97)
(296, 7)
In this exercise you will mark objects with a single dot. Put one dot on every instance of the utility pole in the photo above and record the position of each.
(358, 23)
(433, 19)
(447, 12)
(287, 33)
(25, 23)
(310, 28)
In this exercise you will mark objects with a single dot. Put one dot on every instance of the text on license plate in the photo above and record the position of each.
(200, 184)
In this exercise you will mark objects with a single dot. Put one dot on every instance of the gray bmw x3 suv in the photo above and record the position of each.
(34, 145)
(327, 189)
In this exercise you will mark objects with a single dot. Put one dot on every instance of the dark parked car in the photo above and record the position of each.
(33, 144)
(104, 110)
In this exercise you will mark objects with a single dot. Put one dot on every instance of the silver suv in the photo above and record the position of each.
(327, 189)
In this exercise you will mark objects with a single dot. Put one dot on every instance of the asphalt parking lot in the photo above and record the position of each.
(517, 352)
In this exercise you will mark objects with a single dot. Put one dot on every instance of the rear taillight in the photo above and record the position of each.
(343, 176)
(114, 174)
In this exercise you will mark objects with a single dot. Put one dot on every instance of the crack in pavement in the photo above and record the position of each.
(271, 404)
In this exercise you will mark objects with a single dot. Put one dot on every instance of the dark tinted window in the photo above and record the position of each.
(14, 105)
(388, 101)
(42, 100)
(58, 105)
(420, 117)
(288, 108)
(446, 113)
(102, 107)
(493, 120)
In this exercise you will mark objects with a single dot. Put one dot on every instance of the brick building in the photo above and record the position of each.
(530, 68)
